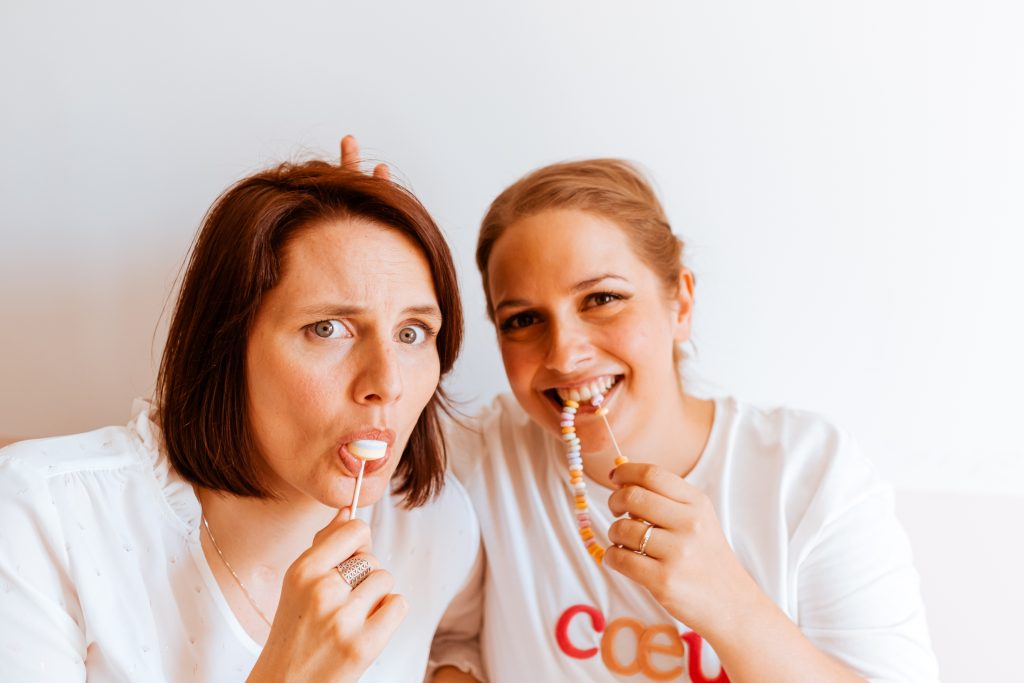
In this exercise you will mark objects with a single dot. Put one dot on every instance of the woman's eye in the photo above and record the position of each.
(328, 329)
(412, 334)
(602, 298)
(519, 321)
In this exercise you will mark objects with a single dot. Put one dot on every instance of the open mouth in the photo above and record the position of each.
(584, 393)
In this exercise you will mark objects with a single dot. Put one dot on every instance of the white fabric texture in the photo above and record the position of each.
(103, 579)
(803, 510)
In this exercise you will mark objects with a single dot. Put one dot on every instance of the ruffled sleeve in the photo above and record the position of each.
(178, 493)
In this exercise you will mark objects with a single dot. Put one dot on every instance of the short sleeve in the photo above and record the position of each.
(457, 639)
(859, 594)
(41, 632)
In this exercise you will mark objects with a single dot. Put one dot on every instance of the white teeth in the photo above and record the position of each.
(587, 392)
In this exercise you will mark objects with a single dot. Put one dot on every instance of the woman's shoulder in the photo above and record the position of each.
(35, 461)
(94, 462)
(795, 434)
(489, 434)
(807, 452)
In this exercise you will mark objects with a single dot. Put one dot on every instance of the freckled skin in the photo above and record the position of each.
(306, 392)
(571, 335)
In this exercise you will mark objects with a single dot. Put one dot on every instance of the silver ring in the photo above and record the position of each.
(354, 571)
(642, 550)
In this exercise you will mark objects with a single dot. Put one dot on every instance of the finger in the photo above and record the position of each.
(657, 479)
(335, 543)
(366, 597)
(387, 616)
(630, 533)
(640, 568)
(350, 152)
(382, 171)
(644, 504)
(375, 633)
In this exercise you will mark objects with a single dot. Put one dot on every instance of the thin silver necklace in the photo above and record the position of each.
(241, 585)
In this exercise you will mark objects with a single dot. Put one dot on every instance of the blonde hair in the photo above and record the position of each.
(610, 188)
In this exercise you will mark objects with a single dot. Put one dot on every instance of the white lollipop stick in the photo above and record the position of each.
(363, 450)
(603, 413)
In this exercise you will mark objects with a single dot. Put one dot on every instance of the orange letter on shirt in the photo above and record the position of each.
(608, 646)
(672, 646)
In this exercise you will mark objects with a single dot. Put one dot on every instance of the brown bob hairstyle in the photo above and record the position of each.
(201, 391)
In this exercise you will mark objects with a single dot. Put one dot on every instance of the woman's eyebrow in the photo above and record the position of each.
(429, 310)
(511, 303)
(590, 282)
(343, 310)
(578, 287)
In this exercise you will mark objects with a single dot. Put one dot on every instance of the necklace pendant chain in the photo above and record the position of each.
(227, 565)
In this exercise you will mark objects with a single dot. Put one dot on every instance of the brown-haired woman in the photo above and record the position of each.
(204, 540)
(761, 535)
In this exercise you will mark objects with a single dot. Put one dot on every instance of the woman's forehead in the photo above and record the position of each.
(558, 249)
(354, 259)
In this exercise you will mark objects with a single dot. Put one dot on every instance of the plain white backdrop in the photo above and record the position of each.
(848, 176)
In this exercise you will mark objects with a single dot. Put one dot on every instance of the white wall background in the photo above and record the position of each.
(848, 176)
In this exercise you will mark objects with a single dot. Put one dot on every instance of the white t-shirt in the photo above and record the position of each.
(103, 579)
(801, 508)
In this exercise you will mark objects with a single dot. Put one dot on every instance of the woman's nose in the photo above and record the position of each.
(379, 379)
(569, 348)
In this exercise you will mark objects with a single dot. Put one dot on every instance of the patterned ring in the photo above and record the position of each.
(642, 550)
(354, 570)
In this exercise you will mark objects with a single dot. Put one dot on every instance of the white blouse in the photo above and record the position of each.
(102, 576)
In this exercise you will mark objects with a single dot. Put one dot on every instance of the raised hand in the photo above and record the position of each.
(687, 565)
(326, 631)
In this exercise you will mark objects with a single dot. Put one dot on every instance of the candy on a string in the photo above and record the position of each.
(575, 461)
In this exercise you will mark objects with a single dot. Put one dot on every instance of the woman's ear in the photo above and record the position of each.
(682, 306)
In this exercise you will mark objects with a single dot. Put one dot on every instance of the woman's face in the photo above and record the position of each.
(575, 310)
(342, 348)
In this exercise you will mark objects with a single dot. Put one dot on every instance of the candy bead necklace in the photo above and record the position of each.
(575, 459)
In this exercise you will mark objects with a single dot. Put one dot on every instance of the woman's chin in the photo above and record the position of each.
(372, 490)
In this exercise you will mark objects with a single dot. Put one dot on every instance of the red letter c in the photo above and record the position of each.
(562, 630)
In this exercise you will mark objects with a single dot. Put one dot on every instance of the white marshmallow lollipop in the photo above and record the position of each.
(363, 450)
(368, 449)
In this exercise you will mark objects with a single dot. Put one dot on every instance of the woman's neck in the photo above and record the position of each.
(263, 535)
(673, 437)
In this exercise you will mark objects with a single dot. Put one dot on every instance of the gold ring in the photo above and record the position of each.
(642, 550)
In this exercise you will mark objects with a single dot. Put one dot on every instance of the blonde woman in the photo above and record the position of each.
(759, 537)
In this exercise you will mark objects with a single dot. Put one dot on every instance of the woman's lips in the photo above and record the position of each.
(352, 463)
